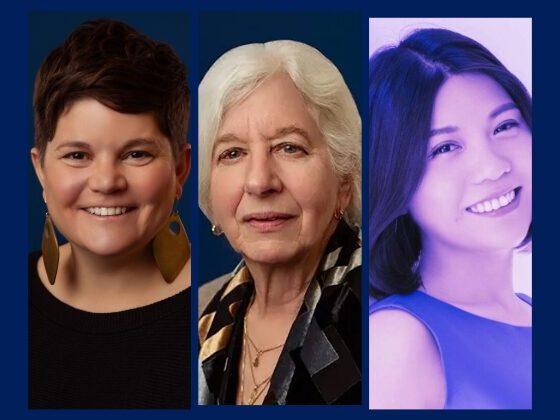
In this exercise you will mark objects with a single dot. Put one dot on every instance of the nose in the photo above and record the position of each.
(107, 177)
(261, 177)
(490, 165)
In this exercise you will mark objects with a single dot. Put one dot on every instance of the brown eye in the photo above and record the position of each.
(75, 156)
(230, 154)
(505, 126)
(138, 154)
(443, 148)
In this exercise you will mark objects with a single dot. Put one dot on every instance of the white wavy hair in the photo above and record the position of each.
(237, 73)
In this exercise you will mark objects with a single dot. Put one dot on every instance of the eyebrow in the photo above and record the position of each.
(141, 142)
(444, 130)
(226, 138)
(74, 144)
(281, 132)
(286, 131)
(130, 143)
(503, 108)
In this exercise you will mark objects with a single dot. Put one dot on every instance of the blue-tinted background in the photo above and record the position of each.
(47, 30)
(337, 35)
(15, 108)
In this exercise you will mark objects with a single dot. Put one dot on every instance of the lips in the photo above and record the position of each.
(267, 221)
(495, 203)
(266, 216)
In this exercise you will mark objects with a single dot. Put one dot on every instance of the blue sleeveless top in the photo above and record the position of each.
(487, 363)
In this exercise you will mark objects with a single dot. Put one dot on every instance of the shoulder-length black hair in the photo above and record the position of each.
(403, 83)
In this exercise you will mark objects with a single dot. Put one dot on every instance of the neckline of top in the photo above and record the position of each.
(472, 314)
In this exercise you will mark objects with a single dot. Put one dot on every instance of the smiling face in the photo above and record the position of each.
(477, 188)
(109, 179)
(273, 189)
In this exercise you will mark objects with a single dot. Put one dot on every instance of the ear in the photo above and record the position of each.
(183, 166)
(38, 166)
(344, 194)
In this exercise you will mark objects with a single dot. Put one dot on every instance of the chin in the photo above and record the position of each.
(494, 241)
(108, 248)
(271, 253)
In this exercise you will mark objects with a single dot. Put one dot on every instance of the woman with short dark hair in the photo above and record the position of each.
(109, 310)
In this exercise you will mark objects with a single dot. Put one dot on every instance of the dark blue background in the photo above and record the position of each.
(220, 32)
(14, 170)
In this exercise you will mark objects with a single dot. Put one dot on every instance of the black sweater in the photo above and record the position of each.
(137, 358)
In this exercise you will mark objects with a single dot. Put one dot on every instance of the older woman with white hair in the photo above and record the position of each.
(279, 174)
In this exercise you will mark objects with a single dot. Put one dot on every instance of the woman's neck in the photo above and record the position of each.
(469, 278)
(280, 288)
(109, 284)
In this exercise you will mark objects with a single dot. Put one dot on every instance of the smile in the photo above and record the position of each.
(107, 211)
(495, 204)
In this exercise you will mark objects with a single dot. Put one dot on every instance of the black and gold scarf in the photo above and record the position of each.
(321, 359)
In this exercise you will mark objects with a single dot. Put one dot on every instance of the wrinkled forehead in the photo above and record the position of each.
(275, 106)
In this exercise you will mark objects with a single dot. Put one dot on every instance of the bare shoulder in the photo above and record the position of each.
(404, 362)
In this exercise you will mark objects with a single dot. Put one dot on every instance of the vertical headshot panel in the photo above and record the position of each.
(450, 160)
(109, 275)
(280, 184)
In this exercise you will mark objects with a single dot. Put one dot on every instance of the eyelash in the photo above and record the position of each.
(505, 126)
(142, 152)
(226, 154)
(283, 146)
(437, 150)
(73, 156)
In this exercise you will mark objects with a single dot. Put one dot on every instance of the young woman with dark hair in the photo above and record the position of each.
(450, 201)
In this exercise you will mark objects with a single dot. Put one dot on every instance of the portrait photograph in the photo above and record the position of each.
(109, 265)
(279, 184)
(450, 214)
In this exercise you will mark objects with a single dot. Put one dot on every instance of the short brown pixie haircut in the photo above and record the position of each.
(113, 63)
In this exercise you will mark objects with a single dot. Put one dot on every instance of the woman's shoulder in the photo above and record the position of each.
(396, 328)
(32, 261)
(208, 290)
(405, 364)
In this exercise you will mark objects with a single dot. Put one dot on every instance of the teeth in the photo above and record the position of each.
(107, 211)
(493, 204)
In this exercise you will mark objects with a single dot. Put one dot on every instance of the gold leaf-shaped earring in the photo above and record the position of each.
(49, 247)
(171, 248)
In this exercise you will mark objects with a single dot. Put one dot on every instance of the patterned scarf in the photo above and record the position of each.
(320, 361)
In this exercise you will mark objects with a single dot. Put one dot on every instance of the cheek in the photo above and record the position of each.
(63, 188)
(437, 199)
(154, 185)
(315, 190)
(315, 199)
(225, 195)
(524, 157)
